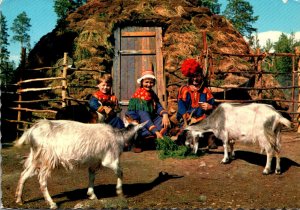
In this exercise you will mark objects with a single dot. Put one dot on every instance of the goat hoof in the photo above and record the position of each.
(266, 172)
(277, 172)
(53, 206)
(120, 193)
(19, 202)
(92, 197)
(225, 161)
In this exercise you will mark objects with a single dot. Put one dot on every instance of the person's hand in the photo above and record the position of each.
(165, 121)
(109, 112)
(205, 106)
(107, 109)
(193, 121)
(158, 135)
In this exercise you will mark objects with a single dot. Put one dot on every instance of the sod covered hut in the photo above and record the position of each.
(124, 37)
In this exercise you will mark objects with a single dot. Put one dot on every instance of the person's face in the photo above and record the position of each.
(197, 80)
(148, 83)
(104, 87)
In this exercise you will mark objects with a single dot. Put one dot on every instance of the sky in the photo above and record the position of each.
(42, 20)
(275, 17)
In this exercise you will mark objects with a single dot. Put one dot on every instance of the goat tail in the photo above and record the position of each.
(285, 122)
(24, 139)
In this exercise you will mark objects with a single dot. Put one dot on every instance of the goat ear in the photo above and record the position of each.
(144, 123)
(187, 128)
(197, 133)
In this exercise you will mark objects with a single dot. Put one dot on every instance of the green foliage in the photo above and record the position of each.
(102, 16)
(84, 54)
(7, 73)
(168, 148)
(20, 28)
(268, 46)
(6, 67)
(283, 64)
(213, 5)
(4, 53)
(63, 7)
(240, 14)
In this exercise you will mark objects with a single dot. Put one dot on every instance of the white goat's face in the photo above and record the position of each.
(192, 138)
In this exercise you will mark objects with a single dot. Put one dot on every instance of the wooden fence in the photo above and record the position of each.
(293, 101)
(64, 98)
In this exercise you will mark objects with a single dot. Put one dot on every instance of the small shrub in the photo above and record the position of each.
(168, 148)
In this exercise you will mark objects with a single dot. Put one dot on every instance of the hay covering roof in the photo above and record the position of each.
(88, 37)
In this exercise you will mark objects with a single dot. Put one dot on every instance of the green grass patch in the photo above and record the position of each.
(169, 149)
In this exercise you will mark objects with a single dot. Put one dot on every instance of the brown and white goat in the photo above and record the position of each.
(69, 143)
(245, 123)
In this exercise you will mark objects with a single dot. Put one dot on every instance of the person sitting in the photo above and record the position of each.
(105, 104)
(195, 100)
(143, 106)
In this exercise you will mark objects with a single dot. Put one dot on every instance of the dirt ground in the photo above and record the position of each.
(150, 182)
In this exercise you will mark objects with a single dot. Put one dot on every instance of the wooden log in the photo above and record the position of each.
(38, 89)
(23, 60)
(254, 88)
(86, 69)
(38, 101)
(244, 101)
(255, 55)
(298, 107)
(137, 52)
(138, 33)
(64, 81)
(38, 79)
(33, 110)
(18, 121)
(161, 80)
(249, 72)
(43, 68)
(74, 99)
(82, 86)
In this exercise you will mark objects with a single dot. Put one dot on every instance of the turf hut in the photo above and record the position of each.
(124, 37)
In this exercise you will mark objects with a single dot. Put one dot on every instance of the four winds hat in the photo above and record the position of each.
(190, 67)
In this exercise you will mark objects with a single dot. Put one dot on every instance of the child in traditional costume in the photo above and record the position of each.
(105, 103)
(145, 106)
(195, 100)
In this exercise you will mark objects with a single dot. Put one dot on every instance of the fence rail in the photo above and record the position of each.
(294, 101)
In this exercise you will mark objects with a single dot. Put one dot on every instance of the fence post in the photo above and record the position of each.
(64, 80)
(293, 87)
(23, 61)
(259, 79)
(298, 75)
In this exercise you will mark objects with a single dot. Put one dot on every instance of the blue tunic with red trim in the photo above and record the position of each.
(144, 105)
(99, 100)
(188, 102)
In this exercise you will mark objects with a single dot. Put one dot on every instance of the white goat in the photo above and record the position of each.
(69, 143)
(245, 123)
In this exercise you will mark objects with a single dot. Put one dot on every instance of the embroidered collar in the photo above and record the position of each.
(143, 94)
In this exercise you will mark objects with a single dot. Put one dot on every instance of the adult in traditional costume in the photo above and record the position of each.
(195, 100)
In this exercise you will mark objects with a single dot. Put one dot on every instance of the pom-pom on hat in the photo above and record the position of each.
(190, 67)
(146, 74)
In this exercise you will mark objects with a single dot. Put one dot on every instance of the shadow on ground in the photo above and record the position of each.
(109, 190)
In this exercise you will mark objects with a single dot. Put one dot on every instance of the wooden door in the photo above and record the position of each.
(137, 49)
